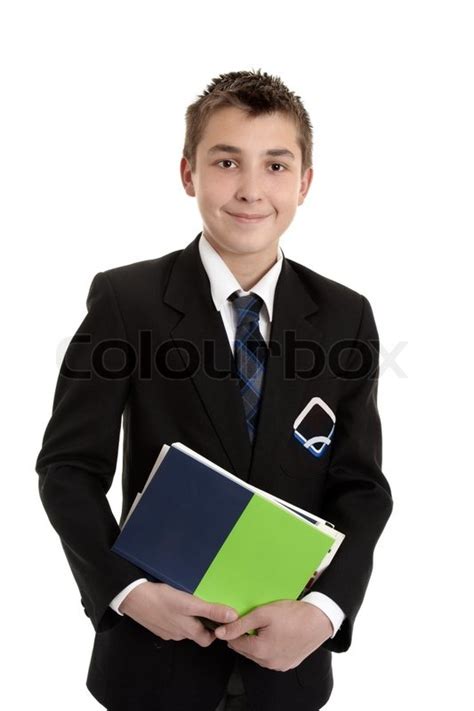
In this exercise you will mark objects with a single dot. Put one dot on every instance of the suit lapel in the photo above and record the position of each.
(295, 317)
(201, 325)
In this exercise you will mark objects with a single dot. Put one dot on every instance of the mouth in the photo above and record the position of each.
(249, 218)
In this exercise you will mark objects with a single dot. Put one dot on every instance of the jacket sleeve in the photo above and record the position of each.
(77, 461)
(357, 497)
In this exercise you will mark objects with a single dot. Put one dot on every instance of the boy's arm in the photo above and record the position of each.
(357, 497)
(77, 461)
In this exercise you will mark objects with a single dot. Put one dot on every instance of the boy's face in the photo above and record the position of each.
(237, 175)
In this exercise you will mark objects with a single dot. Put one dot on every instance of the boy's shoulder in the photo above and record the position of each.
(139, 271)
(138, 282)
(326, 291)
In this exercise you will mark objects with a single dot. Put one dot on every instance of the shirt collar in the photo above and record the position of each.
(223, 283)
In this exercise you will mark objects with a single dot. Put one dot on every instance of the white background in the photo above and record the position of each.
(92, 123)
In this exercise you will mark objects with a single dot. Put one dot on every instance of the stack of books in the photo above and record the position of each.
(199, 528)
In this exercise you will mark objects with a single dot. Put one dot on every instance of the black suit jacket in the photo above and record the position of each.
(153, 349)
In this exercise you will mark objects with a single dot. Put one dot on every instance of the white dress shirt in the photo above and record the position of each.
(223, 283)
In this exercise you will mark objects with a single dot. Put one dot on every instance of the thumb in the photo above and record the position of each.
(215, 611)
(239, 627)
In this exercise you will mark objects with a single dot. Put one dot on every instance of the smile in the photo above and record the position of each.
(248, 220)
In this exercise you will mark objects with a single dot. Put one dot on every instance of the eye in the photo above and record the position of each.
(280, 165)
(225, 160)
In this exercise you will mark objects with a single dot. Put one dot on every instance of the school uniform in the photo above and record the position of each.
(156, 348)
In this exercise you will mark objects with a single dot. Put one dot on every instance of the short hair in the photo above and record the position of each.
(256, 93)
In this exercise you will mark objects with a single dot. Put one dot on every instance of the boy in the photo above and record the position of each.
(241, 340)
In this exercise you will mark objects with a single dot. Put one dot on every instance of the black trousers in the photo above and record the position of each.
(234, 699)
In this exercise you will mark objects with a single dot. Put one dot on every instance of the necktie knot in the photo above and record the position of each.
(247, 308)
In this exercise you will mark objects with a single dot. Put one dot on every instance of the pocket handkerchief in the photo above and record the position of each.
(314, 426)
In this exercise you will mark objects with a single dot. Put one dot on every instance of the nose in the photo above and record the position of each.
(249, 189)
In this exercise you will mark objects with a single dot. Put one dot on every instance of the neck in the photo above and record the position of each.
(248, 269)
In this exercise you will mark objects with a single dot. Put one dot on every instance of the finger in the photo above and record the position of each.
(194, 629)
(193, 605)
(213, 611)
(204, 638)
(236, 629)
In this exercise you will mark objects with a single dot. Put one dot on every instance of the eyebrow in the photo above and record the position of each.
(274, 152)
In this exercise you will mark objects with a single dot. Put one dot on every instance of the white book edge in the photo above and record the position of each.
(159, 459)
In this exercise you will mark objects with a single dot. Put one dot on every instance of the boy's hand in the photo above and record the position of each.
(171, 613)
(287, 632)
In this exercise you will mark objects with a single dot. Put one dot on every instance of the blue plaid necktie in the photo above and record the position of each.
(250, 354)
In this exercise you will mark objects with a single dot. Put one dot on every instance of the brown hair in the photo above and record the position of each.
(256, 94)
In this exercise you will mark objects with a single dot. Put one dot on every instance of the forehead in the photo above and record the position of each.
(232, 126)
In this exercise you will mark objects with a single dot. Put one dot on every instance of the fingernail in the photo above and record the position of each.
(231, 616)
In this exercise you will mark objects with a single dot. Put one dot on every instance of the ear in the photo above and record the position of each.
(304, 185)
(187, 177)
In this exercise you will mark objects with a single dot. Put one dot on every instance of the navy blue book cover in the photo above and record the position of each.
(184, 496)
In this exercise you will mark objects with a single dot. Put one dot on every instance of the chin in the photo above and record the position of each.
(237, 242)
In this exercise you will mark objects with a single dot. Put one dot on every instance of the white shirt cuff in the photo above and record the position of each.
(328, 606)
(118, 599)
